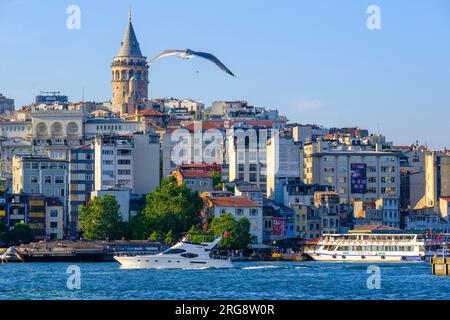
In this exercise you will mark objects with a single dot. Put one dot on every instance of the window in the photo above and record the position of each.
(53, 213)
(124, 161)
(253, 167)
(59, 179)
(174, 251)
(34, 179)
(253, 212)
(372, 179)
(108, 162)
(53, 224)
(124, 172)
(124, 152)
(35, 165)
(189, 255)
(387, 190)
(47, 179)
(387, 179)
(241, 167)
(388, 169)
(107, 152)
(239, 212)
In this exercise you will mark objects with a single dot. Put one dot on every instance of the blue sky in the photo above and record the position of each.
(313, 60)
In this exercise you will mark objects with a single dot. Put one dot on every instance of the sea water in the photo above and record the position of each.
(262, 280)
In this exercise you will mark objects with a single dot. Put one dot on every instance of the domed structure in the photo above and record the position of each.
(129, 64)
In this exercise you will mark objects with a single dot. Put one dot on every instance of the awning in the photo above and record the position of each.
(259, 246)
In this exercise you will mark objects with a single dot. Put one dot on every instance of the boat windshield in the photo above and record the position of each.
(174, 251)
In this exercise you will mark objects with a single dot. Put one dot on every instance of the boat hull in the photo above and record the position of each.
(160, 262)
(335, 257)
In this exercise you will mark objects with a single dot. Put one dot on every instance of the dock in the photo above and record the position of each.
(440, 266)
(80, 251)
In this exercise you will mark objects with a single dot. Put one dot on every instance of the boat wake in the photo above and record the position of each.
(260, 267)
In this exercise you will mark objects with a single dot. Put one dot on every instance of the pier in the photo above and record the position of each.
(440, 266)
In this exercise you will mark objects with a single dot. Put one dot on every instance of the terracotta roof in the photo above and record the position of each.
(256, 123)
(205, 125)
(151, 112)
(234, 202)
(195, 173)
(401, 147)
(200, 166)
(446, 198)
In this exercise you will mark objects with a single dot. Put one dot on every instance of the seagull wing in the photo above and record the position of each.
(212, 58)
(167, 53)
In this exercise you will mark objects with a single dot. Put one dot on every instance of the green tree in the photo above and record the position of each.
(21, 233)
(235, 233)
(217, 180)
(197, 235)
(155, 236)
(4, 234)
(169, 238)
(172, 207)
(101, 219)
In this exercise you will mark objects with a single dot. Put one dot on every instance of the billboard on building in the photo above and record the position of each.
(359, 178)
(278, 226)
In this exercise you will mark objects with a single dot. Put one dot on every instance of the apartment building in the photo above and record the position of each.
(130, 162)
(355, 174)
(81, 183)
(246, 155)
(284, 161)
(238, 207)
(41, 175)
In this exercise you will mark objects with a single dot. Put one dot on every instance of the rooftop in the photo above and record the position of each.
(240, 202)
(151, 112)
(195, 173)
(129, 46)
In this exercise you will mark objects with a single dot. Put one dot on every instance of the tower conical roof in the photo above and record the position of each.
(129, 46)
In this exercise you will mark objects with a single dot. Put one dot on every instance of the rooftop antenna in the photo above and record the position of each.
(82, 94)
(129, 14)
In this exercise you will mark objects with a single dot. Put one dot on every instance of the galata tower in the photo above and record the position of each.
(129, 75)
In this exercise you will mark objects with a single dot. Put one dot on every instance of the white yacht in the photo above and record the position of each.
(183, 255)
(367, 248)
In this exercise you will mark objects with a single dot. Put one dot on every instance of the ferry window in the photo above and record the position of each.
(174, 251)
(189, 255)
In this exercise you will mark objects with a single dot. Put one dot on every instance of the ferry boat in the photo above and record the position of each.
(367, 248)
(183, 255)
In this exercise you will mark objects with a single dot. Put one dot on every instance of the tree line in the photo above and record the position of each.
(169, 212)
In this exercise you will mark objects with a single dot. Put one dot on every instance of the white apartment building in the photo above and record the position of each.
(238, 207)
(284, 160)
(191, 105)
(308, 131)
(246, 155)
(355, 175)
(197, 144)
(127, 162)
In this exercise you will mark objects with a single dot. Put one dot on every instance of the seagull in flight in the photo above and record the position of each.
(189, 54)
